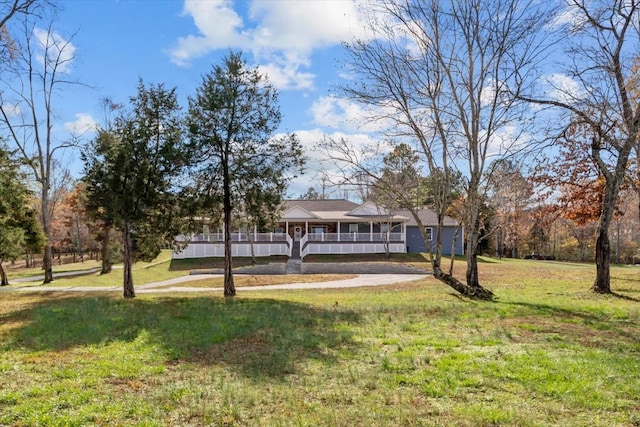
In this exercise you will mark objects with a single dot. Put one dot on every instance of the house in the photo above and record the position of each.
(328, 226)
(342, 227)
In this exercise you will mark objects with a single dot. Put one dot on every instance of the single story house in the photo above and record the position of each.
(329, 226)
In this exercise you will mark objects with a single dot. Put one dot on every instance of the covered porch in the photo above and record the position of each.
(362, 230)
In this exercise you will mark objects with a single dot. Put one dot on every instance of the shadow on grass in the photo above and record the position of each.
(257, 337)
(625, 297)
(581, 324)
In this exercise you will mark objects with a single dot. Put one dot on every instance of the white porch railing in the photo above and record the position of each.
(352, 243)
(240, 237)
(212, 245)
(268, 244)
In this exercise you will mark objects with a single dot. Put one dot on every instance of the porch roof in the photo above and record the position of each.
(298, 214)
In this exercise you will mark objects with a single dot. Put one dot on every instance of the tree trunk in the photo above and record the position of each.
(47, 263)
(127, 246)
(602, 284)
(473, 287)
(472, 261)
(476, 292)
(229, 286)
(4, 280)
(472, 258)
(253, 251)
(47, 260)
(104, 250)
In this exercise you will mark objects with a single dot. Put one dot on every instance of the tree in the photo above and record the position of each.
(133, 174)
(232, 121)
(76, 221)
(27, 98)
(10, 9)
(311, 194)
(440, 74)
(600, 43)
(18, 225)
(510, 194)
(103, 218)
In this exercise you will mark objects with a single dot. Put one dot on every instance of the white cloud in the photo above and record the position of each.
(303, 25)
(285, 73)
(12, 110)
(59, 52)
(282, 34)
(334, 112)
(219, 27)
(563, 88)
(83, 124)
(318, 160)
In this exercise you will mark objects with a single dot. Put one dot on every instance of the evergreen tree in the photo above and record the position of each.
(18, 225)
(232, 121)
(133, 171)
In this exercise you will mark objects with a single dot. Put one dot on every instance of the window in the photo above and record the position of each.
(279, 230)
(353, 229)
(429, 232)
(318, 229)
(384, 228)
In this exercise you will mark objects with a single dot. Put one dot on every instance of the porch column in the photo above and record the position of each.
(338, 231)
(404, 235)
(371, 231)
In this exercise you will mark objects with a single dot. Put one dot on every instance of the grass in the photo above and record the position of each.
(546, 352)
(264, 280)
(164, 268)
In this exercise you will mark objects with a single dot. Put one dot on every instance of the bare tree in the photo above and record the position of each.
(601, 41)
(9, 10)
(440, 74)
(27, 97)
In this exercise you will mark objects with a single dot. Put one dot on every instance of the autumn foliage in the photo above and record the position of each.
(570, 184)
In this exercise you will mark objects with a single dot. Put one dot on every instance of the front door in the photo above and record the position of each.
(297, 233)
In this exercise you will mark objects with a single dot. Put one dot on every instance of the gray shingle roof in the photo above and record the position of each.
(427, 216)
(324, 205)
(338, 208)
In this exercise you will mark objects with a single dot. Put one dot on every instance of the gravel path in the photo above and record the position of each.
(368, 274)
(177, 284)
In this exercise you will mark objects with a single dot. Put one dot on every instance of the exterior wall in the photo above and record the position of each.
(415, 242)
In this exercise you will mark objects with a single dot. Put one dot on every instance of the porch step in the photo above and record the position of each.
(295, 250)
(294, 266)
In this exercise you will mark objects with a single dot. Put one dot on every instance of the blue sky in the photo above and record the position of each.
(296, 43)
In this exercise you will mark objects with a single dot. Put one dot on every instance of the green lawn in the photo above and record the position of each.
(545, 352)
